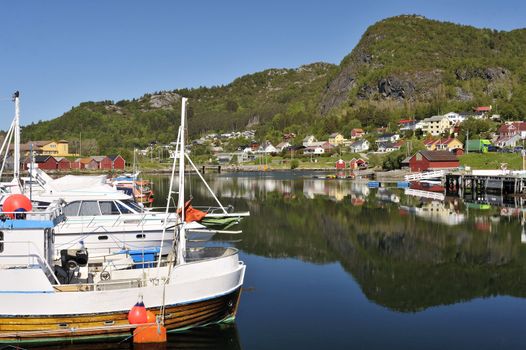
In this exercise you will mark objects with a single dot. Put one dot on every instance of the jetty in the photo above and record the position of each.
(502, 182)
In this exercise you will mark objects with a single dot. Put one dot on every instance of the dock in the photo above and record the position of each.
(496, 182)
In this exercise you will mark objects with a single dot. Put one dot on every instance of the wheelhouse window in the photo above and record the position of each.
(89, 208)
(133, 205)
(109, 208)
(72, 209)
(1, 242)
(123, 208)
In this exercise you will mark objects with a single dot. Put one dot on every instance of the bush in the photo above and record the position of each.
(294, 164)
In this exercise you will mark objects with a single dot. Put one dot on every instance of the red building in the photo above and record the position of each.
(340, 164)
(103, 162)
(433, 160)
(118, 162)
(43, 162)
(63, 163)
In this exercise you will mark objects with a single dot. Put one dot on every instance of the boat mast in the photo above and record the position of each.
(181, 246)
(16, 155)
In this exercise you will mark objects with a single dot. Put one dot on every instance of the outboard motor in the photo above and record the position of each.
(72, 259)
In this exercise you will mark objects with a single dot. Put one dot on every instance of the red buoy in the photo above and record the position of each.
(16, 203)
(138, 314)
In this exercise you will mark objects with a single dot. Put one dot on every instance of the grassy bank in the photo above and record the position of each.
(491, 160)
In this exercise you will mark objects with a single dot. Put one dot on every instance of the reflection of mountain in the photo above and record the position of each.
(400, 261)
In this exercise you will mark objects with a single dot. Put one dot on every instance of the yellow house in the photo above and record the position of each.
(50, 148)
(336, 139)
(449, 144)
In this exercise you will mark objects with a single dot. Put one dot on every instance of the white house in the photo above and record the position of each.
(309, 140)
(388, 138)
(386, 147)
(314, 150)
(508, 141)
(270, 149)
(455, 118)
(283, 145)
(360, 146)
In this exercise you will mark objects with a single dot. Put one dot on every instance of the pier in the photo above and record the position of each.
(504, 184)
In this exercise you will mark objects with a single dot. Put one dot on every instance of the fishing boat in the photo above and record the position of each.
(140, 189)
(44, 301)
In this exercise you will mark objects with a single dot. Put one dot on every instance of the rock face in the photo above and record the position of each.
(395, 88)
(490, 73)
(164, 100)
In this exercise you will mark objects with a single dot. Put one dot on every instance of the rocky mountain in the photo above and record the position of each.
(403, 66)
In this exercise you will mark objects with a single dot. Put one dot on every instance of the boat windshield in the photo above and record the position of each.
(134, 206)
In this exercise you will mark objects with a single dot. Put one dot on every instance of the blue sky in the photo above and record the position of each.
(61, 53)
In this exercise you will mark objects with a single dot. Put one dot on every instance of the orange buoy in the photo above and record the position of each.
(16, 203)
(150, 317)
(138, 314)
(149, 334)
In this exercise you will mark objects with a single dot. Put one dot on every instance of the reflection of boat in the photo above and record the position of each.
(427, 185)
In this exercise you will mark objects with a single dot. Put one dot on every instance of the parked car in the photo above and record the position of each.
(492, 148)
(518, 149)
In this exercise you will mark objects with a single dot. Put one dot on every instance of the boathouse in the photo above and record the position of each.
(340, 164)
(103, 162)
(63, 163)
(117, 162)
(43, 162)
(433, 160)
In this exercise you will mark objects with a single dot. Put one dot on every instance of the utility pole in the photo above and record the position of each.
(467, 141)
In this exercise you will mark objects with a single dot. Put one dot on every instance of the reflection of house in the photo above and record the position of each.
(439, 212)
(360, 146)
(432, 160)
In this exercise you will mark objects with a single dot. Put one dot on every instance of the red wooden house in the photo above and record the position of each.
(103, 162)
(433, 160)
(340, 164)
(43, 162)
(117, 162)
(63, 163)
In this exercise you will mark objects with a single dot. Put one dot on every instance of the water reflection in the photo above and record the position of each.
(407, 253)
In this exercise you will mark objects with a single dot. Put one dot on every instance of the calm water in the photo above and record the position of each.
(336, 265)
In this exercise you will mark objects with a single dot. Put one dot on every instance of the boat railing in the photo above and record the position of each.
(33, 256)
(50, 213)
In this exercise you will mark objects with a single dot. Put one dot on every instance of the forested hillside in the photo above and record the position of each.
(405, 66)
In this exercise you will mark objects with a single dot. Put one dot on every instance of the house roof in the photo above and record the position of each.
(435, 118)
(439, 156)
(308, 137)
(98, 158)
(114, 157)
(358, 143)
(446, 141)
(334, 134)
(60, 159)
(430, 142)
(406, 121)
(357, 130)
(42, 159)
(513, 126)
(482, 109)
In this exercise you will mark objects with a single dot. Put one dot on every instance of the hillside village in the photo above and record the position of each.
(476, 131)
